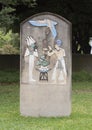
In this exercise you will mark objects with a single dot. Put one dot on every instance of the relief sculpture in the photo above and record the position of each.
(47, 58)
(45, 67)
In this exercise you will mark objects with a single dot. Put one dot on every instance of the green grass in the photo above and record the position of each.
(80, 118)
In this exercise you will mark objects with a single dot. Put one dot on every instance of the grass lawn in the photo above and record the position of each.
(80, 118)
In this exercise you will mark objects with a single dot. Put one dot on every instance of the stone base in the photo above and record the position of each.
(45, 100)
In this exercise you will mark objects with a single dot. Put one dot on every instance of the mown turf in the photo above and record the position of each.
(80, 118)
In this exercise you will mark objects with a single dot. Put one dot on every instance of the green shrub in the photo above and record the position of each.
(9, 76)
(9, 49)
(82, 76)
(9, 42)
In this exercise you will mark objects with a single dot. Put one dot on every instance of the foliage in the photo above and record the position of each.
(6, 18)
(78, 12)
(82, 76)
(9, 49)
(8, 11)
(9, 76)
(9, 42)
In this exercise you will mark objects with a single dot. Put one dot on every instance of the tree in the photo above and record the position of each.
(8, 11)
(9, 20)
(78, 12)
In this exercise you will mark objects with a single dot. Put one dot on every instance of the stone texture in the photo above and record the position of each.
(45, 98)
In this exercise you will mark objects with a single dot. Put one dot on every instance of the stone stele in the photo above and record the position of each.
(45, 66)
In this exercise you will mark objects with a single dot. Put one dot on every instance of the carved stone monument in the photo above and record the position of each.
(45, 79)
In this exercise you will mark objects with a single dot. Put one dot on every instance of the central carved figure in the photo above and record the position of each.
(41, 55)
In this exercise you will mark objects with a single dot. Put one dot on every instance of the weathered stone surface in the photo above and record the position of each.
(45, 86)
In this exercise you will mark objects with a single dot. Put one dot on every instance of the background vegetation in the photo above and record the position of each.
(9, 42)
(79, 13)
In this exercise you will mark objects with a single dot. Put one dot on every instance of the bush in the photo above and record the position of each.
(9, 49)
(82, 76)
(9, 42)
(9, 76)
